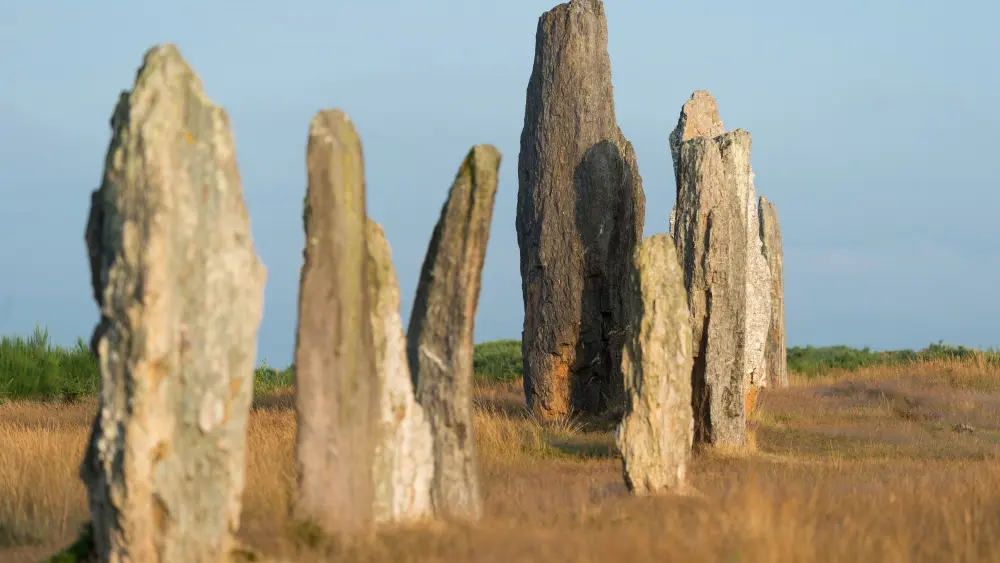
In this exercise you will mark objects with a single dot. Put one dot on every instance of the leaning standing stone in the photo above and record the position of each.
(336, 392)
(655, 435)
(580, 214)
(710, 237)
(440, 335)
(179, 288)
(404, 461)
(775, 351)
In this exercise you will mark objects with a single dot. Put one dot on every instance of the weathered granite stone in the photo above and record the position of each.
(180, 292)
(758, 316)
(775, 352)
(580, 214)
(440, 335)
(699, 117)
(655, 435)
(337, 395)
(404, 457)
(710, 237)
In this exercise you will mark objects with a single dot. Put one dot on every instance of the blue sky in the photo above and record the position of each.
(874, 131)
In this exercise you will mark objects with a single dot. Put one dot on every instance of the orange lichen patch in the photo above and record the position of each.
(235, 384)
(557, 404)
(160, 514)
(157, 371)
(751, 399)
(160, 451)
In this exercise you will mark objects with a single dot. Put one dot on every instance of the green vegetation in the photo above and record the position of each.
(81, 550)
(33, 368)
(499, 360)
(811, 361)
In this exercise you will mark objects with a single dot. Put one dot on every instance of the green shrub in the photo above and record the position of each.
(499, 360)
(32, 368)
(811, 361)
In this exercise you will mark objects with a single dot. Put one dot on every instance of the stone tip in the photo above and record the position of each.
(163, 67)
(164, 55)
(702, 95)
(577, 6)
(485, 151)
(699, 117)
(164, 51)
(331, 124)
(480, 157)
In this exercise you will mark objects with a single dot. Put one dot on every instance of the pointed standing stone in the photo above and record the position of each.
(656, 433)
(404, 458)
(699, 118)
(179, 287)
(710, 237)
(336, 393)
(776, 351)
(440, 335)
(580, 214)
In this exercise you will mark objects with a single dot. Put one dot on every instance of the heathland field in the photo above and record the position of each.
(865, 457)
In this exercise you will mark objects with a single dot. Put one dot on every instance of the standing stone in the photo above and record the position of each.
(440, 335)
(656, 433)
(775, 351)
(710, 237)
(699, 117)
(404, 462)
(758, 317)
(336, 392)
(580, 214)
(179, 288)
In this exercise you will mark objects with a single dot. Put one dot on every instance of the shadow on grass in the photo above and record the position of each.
(584, 448)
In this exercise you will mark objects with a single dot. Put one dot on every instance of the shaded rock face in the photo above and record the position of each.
(775, 352)
(337, 395)
(655, 435)
(440, 335)
(710, 238)
(404, 462)
(580, 213)
(758, 317)
(180, 292)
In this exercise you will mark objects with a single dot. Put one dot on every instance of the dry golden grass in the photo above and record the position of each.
(865, 466)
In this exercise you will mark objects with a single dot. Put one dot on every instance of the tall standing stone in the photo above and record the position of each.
(440, 335)
(656, 433)
(710, 237)
(580, 213)
(699, 117)
(179, 288)
(404, 462)
(758, 317)
(336, 392)
(775, 351)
